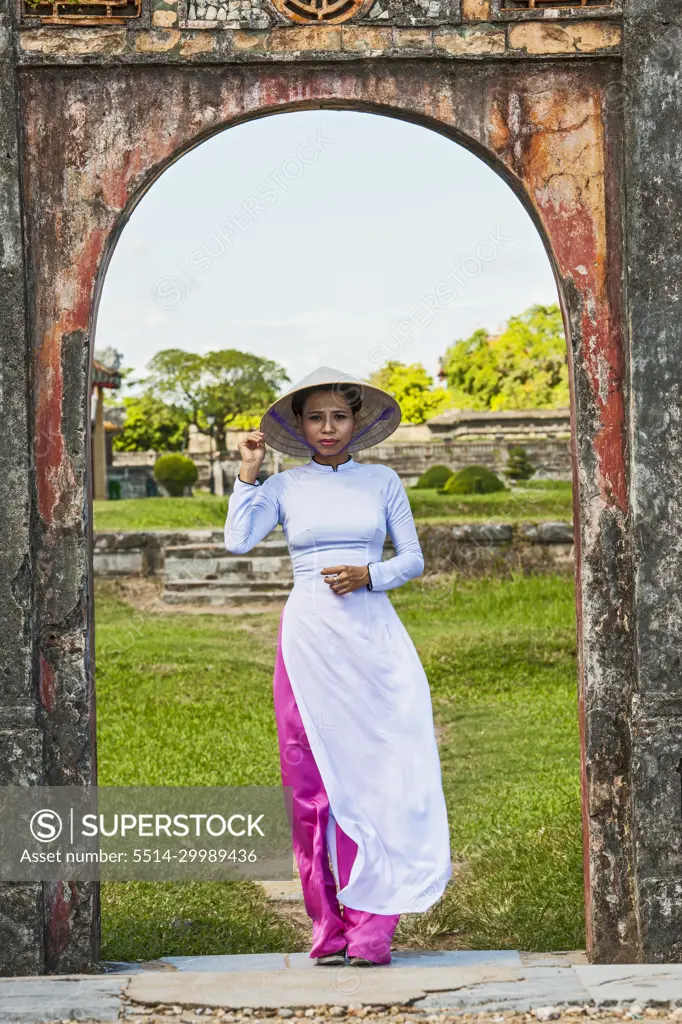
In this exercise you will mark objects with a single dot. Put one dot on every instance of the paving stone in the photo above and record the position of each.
(464, 982)
(301, 961)
(246, 962)
(123, 967)
(321, 986)
(53, 998)
(613, 983)
(530, 987)
(456, 958)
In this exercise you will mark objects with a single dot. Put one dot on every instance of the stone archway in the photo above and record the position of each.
(94, 142)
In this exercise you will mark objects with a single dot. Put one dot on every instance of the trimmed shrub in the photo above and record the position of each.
(175, 472)
(473, 480)
(519, 466)
(434, 477)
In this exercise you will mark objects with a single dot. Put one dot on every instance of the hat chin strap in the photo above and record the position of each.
(383, 415)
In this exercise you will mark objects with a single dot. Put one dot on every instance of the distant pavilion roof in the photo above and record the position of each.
(105, 376)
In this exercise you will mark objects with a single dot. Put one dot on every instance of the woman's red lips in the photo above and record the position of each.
(328, 442)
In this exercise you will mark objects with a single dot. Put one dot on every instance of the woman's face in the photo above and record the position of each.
(327, 422)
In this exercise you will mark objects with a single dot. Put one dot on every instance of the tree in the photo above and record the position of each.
(151, 424)
(413, 389)
(226, 383)
(175, 472)
(525, 367)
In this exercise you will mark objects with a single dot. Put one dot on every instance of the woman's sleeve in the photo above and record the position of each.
(253, 511)
(408, 561)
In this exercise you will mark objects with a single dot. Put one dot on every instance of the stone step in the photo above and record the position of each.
(222, 598)
(223, 568)
(226, 587)
(228, 579)
(274, 546)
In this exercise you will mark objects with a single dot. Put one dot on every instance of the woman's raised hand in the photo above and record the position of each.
(252, 451)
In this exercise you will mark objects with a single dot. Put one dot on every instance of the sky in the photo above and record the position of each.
(328, 237)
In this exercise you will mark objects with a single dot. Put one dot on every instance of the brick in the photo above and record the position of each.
(157, 41)
(203, 43)
(363, 39)
(462, 41)
(475, 10)
(164, 19)
(251, 40)
(569, 37)
(309, 37)
(413, 38)
(71, 41)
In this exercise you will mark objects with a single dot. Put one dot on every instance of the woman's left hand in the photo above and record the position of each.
(346, 577)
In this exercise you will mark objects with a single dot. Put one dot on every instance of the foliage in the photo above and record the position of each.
(413, 389)
(434, 477)
(246, 421)
(524, 368)
(175, 472)
(519, 466)
(151, 425)
(473, 480)
(226, 383)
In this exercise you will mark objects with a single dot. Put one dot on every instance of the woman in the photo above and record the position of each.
(352, 702)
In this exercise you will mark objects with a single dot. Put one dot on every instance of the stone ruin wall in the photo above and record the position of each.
(574, 107)
(284, 30)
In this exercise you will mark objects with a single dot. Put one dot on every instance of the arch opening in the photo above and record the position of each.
(171, 291)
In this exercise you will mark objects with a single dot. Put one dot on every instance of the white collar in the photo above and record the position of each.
(343, 467)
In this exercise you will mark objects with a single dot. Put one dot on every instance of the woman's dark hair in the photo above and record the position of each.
(349, 391)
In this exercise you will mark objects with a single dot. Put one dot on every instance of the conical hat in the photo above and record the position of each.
(379, 416)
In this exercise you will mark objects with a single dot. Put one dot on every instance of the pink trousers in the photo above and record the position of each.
(367, 935)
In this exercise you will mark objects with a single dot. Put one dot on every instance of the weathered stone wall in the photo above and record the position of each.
(189, 42)
(467, 548)
(551, 459)
(548, 131)
(21, 932)
(538, 94)
(651, 98)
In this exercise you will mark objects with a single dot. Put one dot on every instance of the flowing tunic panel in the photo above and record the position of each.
(359, 684)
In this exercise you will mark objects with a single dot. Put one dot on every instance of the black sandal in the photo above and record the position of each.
(361, 961)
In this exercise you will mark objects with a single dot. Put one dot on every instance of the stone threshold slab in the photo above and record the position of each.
(456, 990)
(341, 986)
(462, 989)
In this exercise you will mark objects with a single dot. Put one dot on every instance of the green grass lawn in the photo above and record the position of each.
(534, 502)
(187, 700)
(500, 658)
(184, 701)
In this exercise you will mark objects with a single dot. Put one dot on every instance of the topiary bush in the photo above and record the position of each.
(519, 466)
(435, 476)
(175, 472)
(473, 480)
